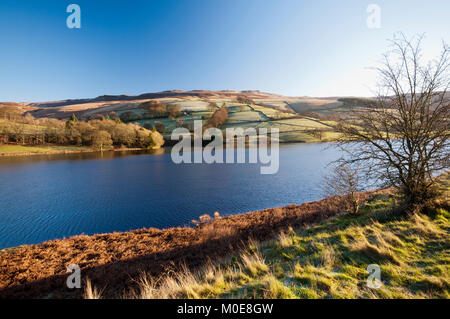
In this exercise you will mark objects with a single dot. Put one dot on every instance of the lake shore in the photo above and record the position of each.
(28, 150)
(5, 150)
(39, 271)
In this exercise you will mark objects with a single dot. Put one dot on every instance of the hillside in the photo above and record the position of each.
(186, 99)
(299, 119)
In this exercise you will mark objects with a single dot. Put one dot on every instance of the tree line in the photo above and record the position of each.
(98, 133)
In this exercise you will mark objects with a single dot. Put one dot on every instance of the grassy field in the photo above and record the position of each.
(272, 113)
(242, 117)
(17, 149)
(292, 130)
(329, 260)
(292, 127)
(314, 105)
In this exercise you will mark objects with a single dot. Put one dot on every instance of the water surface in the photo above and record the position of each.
(55, 196)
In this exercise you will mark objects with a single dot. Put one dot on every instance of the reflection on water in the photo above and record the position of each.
(78, 156)
(54, 196)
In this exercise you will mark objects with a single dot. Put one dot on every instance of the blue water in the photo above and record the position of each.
(48, 197)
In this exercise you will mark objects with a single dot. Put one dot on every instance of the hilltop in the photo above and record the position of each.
(88, 107)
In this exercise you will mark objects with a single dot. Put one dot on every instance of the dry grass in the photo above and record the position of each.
(42, 149)
(206, 282)
(91, 292)
(183, 284)
(212, 280)
(254, 264)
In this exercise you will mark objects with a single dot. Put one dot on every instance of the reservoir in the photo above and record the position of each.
(46, 197)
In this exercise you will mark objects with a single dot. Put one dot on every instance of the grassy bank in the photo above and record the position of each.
(329, 260)
(12, 150)
(23, 150)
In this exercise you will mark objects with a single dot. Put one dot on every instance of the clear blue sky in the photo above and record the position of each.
(291, 47)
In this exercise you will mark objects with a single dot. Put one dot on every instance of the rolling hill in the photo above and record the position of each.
(299, 119)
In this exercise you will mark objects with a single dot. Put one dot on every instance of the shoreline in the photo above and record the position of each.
(167, 144)
(37, 271)
(17, 154)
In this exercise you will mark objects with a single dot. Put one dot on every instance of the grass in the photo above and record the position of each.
(18, 149)
(298, 129)
(272, 113)
(315, 105)
(246, 116)
(328, 260)
(292, 128)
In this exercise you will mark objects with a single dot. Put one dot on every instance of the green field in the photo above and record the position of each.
(272, 113)
(247, 116)
(13, 149)
(292, 127)
(314, 105)
(194, 106)
(292, 130)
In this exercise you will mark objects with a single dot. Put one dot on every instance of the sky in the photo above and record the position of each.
(289, 47)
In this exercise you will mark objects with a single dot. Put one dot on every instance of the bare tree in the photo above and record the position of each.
(343, 181)
(403, 140)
